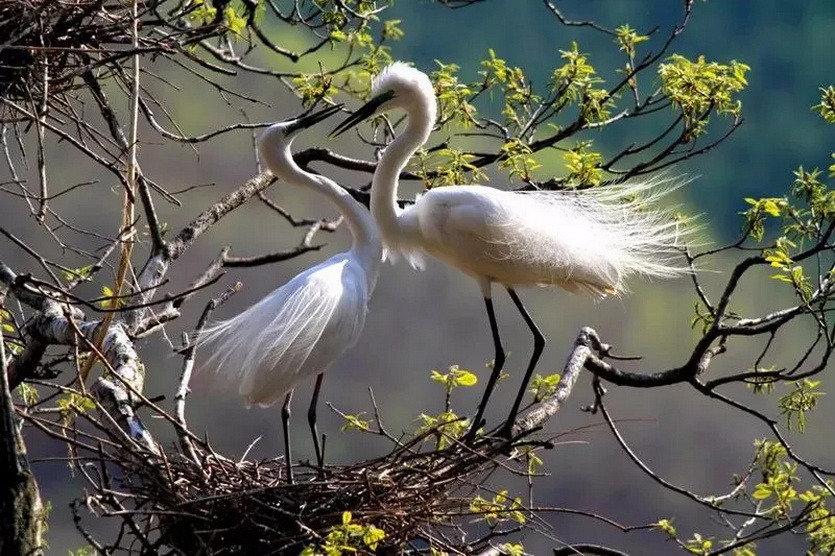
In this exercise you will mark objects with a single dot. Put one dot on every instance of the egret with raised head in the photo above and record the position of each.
(301, 328)
(588, 241)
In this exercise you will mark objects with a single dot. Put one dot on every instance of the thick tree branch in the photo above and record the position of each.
(21, 511)
(59, 324)
(550, 406)
(157, 266)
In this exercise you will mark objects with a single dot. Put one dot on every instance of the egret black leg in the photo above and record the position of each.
(498, 363)
(285, 424)
(311, 420)
(538, 346)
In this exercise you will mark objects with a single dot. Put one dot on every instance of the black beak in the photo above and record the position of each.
(312, 118)
(364, 112)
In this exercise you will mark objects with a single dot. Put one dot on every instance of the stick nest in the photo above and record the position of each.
(197, 501)
(50, 43)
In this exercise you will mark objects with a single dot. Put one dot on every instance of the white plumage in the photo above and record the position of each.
(589, 241)
(301, 328)
(297, 331)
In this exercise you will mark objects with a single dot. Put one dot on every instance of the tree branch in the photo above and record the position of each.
(21, 510)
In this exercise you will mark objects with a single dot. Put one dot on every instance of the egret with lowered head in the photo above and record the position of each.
(587, 241)
(301, 328)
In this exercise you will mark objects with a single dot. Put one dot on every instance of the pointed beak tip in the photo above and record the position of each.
(362, 113)
(348, 123)
(344, 126)
(336, 132)
(314, 118)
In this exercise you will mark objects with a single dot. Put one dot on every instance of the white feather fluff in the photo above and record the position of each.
(295, 332)
(301, 328)
(588, 240)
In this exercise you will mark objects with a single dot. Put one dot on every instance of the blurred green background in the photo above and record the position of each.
(431, 320)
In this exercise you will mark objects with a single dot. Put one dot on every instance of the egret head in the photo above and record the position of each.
(274, 143)
(281, 134)
(397, 86)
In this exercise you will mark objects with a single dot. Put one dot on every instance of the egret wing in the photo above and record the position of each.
(296, 331)
(455, 223)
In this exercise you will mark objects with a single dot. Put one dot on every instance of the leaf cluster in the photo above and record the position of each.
(349, 537)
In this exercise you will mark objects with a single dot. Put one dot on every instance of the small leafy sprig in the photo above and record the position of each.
(349, 537)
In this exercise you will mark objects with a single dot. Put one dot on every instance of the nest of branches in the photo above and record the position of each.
(193, 500)
(51, 43)
(50, 40)
(251, 508)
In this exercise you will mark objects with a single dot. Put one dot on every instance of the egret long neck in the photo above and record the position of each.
(366, 238)
(386, 177)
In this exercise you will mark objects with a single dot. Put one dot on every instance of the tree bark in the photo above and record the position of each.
(21, 511)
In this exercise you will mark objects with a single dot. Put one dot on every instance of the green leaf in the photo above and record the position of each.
(73, 404)
(454, 378)
(534, 461)
(354, 423)
(372, 536)
(762, 492)
(391, 30)
(445, 427)
(770, 207)
(235, 22)
(627, 38)
(513, 549)
(583, 164)
(83, 551)
(699, 87)
(797, 403)
(826, 107)
(544, 386)
(109, 302)
(667, 526)
(463, 377)
(517, 159)
(29, 394)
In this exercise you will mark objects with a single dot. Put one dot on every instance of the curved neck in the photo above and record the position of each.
(366, 238)
(396, 156)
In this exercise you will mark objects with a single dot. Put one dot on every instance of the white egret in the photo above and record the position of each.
(301, 328)
(587, 241)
